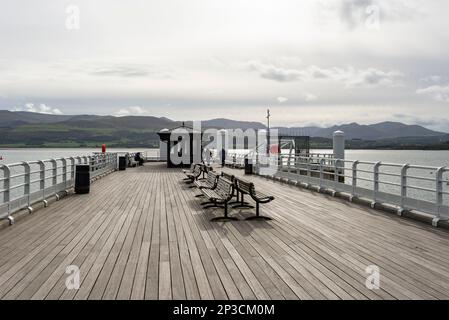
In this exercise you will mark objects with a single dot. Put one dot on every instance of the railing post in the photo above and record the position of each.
(64, 172)
(308, 171)
(404, 169)
(375, 183)
(336, 170)
(54, 175)
(42, 180)
(321, 162)
(72, 170)
(438, 194)
(27, 182)
(90, 163)
(6, 193)
(354, 180)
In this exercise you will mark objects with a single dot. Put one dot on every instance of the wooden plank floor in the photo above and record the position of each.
(141, 234)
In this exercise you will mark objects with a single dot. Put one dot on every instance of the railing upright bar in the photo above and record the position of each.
(42, 179)
(439, 189)
(403, 187)
(321, 172)
(375, 182)
(64, 172)
(54, 174)
(354, 179)
(27, 181)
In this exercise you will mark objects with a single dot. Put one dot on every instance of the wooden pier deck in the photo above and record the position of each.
(141, 234)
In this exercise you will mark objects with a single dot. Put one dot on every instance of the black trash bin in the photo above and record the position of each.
(122, 162)
(82, 178)
(248, 166)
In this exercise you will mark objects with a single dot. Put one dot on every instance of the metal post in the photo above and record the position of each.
(54, 176)
(375, 182)
(336, 172)
(64, 172)
(308, 171)
(72, 169)
(403, 187)
(6, 187)
(321, 162)
(268, 132)
(354, 179)
(27, 182)
(438, 191)
(42, 180)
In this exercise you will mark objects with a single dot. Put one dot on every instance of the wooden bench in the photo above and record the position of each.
(231, 179)
(258, 197)
(192, 176)
(209, 183)
(219, 197)
(240, 194)
(186, 171)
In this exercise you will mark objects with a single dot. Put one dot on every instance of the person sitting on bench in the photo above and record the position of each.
(138, 158)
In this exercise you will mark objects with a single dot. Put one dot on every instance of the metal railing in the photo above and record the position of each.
(27, 183)
(406, 186)
(236, 158)
(153, 155)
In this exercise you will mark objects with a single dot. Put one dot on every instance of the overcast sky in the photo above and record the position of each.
(313, 62)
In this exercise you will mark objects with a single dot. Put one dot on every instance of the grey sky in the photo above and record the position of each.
(312, 62)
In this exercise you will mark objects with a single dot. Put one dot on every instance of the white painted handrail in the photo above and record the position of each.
(26, 183)
(406, 186)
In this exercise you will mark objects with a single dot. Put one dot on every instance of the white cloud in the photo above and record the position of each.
(272, 72)
(349, 76)
(437, 93)
(41, 108)
(309, 97)
(372, 77)
(435, 79)
(359, 13)
(130, 111)
(281, 99)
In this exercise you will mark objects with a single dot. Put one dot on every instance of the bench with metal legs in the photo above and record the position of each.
(220, 197)
(189, 171)
(258, 197)
(209, 183)
(241, 191)
(192, 177)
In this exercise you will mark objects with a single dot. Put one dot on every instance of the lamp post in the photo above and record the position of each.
(268, 131)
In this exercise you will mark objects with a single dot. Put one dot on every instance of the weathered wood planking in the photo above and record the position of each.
(141, 234)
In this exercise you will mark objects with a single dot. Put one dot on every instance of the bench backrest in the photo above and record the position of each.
(197, 170)
(224, 188)
(245, 186)
(227, 176)
(211, 178)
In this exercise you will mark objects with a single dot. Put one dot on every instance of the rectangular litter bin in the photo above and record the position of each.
(82, 178)
(248, 166)
(122, 163)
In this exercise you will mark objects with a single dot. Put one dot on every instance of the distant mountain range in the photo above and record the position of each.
(20, 128)
(382, 130)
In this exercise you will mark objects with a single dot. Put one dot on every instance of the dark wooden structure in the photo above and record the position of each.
(182, 150)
